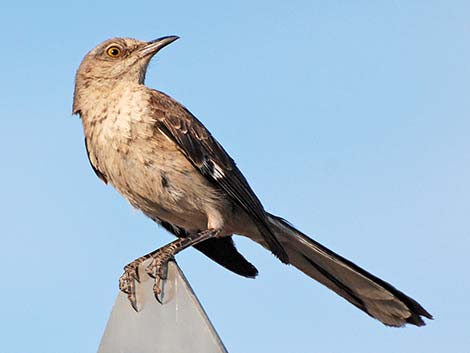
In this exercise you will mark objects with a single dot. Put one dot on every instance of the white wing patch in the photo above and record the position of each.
(218, 172)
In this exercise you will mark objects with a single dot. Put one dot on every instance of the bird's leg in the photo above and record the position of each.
(157, 268)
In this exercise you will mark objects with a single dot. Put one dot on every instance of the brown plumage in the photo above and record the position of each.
(168, 165)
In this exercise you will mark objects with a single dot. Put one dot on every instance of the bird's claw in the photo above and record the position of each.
(127, 282)
(158, 290)
(158, 270)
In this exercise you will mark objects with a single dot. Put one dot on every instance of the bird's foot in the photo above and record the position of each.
(158, 270)
(128, 280)
(158, 267)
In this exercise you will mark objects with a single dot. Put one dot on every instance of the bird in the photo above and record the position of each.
(167, 164)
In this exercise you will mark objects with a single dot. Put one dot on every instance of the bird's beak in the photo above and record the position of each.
(152, 47)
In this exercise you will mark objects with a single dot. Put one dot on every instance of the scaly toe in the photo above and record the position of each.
(159, 271)
(158, 290)
(127, 283)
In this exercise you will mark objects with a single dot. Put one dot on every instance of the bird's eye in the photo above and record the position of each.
(114, 51)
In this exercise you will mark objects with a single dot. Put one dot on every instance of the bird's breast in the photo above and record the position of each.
(147, 168)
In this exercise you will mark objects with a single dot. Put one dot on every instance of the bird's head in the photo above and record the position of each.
(116, 60)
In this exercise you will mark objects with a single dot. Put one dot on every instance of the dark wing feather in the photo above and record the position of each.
(209, 157)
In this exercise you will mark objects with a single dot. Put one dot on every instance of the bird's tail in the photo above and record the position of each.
(374, 296)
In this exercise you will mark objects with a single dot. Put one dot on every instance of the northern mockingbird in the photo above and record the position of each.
(168, 165)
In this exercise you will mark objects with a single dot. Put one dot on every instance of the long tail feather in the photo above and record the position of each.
(374, 296)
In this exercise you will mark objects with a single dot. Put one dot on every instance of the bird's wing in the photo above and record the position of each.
(212, 161)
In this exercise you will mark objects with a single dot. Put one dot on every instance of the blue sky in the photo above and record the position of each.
(350, 119)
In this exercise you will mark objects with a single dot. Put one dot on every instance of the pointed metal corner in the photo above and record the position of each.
(179, 325)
